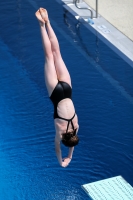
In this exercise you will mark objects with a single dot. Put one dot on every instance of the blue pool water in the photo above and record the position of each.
(102, 94)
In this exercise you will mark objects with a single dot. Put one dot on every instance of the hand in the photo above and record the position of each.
(65, 162)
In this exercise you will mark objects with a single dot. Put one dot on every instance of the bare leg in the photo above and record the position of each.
(62, 72)
(49, 67)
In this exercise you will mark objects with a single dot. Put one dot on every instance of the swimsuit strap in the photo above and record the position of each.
(69, 120)
(68, 125)
(66, 119)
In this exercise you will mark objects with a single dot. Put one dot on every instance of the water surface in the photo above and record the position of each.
(102, 94)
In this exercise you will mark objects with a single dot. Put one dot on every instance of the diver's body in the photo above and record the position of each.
(58, 83)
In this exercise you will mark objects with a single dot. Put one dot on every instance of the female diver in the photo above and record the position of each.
(58, 83)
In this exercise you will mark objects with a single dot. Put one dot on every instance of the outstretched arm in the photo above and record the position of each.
(58, 150)
(63, 162)
(70, 152)
(68, 159)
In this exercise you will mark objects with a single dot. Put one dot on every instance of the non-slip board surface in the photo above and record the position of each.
(115, 188)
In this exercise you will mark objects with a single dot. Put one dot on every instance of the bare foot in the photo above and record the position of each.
(42, 16)
(38, 16)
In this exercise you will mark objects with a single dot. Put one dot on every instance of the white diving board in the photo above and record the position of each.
(115, 188)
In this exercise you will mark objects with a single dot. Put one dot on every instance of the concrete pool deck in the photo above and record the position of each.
(104, 30)
(118, 13)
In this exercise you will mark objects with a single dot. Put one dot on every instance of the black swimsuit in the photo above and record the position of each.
(61, 91)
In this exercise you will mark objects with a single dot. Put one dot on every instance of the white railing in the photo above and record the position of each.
(80, 1)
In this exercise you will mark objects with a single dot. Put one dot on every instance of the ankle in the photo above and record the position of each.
(42, 24)
(47, 23)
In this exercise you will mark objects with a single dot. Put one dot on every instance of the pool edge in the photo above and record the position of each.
(105, 31)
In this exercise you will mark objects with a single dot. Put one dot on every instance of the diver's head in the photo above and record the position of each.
(70, 139)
